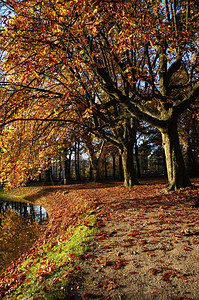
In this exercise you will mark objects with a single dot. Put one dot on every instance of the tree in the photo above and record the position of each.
(64, 50)
(114, 125)
(188, 130)
(158, 67)
(94, 148)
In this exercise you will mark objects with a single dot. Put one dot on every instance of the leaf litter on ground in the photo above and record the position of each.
(146, 247)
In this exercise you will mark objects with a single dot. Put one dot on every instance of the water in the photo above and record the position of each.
(34, 213)
(17, 235)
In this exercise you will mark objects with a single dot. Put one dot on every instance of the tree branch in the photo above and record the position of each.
(182, 106)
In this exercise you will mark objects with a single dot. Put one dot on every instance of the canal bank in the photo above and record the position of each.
(48, 267)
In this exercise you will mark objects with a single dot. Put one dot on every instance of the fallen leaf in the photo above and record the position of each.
(187, 248)
(109, 284)
(168, 275)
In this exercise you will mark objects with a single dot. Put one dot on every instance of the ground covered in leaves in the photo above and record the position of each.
(146, 245)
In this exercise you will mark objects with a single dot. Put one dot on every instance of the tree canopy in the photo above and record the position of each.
(73, 61)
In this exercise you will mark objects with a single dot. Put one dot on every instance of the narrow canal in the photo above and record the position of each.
(20, 225)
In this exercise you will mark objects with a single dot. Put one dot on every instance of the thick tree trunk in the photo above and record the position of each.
(164, 163)
(95, 158)
(121, 168)
(95, 166)
(176, 172)
(130, 178)
(95, 171)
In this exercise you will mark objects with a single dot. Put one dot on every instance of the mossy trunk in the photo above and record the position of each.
(176, 171)
(130, 177)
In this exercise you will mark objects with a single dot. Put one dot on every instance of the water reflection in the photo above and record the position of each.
(34, 213)
(16, 234)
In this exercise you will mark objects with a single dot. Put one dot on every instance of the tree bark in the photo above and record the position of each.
(77, 170)
(69, 165)
(105, 169)
(95, 165)
(95, 171)
(121, 172)
(95, 159)
(130, 178)
(66, 167)
(176, 171)
(137, 161)
(191, 160)
(114, 169)
(65, 171)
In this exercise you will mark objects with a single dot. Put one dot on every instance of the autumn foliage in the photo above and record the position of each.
(95, 65)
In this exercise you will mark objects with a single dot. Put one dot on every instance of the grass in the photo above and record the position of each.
(49, 273)
(49, 269)
(17, 194)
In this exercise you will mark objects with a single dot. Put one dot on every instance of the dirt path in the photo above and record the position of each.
(147, 246)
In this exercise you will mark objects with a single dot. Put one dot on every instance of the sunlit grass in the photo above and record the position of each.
(49, 272)
(17, 194)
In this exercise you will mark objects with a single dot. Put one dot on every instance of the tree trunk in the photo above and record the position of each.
(130, 178)
(137, 161)
(105, 169)
(176, 172)
(191, 160)
(121, 168)
(90, 172)
(95, 166)
(96, 174)
(60, 169)
(49, 174)
(77, 171)
(164, 163)
(65, 171)
(113, 156)
(65, 161)
(69, 165)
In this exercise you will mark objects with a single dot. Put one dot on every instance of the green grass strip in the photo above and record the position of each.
(49, 273)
